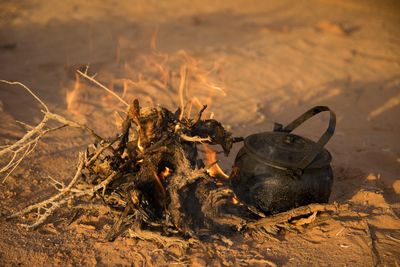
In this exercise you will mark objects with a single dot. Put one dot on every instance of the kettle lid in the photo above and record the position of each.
(285, 150)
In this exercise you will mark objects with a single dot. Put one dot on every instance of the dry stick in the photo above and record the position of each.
(274, 221)
(372, 244)
(195, 138)
(97, 154)
(29, 90)
(56, 184)
(55, 204)
(15, 164)
(26, 137)
(24, 141)
(38, 130)
(29, 141)
(48, 211)
(116, 228)
(161, 240)
(200, 113)
(26, 144)
(30, 147)
(73, 124)
(26, 125)
(11, 162)
(85, 75)
(57, 196)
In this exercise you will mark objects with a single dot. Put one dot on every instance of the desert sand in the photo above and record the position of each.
(254, 63)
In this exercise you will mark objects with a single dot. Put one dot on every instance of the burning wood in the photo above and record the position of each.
(213, 169)
(150, 174)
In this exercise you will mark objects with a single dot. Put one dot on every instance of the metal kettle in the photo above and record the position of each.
(277, 171)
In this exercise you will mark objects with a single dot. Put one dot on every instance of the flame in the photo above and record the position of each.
(184, 80)
(211, 160)
(125, 88)
(118, 120)
(134, 197)
(165, 173)
(72, 95)
(159, 183)
(141, 149)
(193, 83)
(182, 87)
(159, 178)
(196, 83)
(235, 200)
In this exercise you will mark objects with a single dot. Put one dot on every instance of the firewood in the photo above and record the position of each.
(151, 179)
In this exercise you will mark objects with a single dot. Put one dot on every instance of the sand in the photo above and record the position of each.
(272, 59)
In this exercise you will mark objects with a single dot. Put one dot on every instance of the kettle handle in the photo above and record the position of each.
(323, 140)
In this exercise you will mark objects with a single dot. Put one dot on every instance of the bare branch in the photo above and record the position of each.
(85, 75)
(53, 199)
(195, 138)
(29, 90)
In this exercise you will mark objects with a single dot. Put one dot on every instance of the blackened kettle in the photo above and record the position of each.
(277, 171)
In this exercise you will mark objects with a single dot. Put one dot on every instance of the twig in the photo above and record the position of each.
(62, 197)
(393, 238)
(28, 142)
(372, 237)
(195, 138)
(53, 199)
(16, 163)
(97, 154)
(73, 124)
(29, 90)
(200, 113)
(85, 75)
(21, 142)
(164, 241)
(27, 126)
(273, 223)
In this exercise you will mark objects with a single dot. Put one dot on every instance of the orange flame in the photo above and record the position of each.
(159, 183)
(72, 95)
(118, 120)
(165, 173)
(179, 73)
(235, 200)
(214, 170)
(141, 149)
(159, 178)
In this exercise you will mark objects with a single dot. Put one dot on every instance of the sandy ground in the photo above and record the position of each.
(273, 59)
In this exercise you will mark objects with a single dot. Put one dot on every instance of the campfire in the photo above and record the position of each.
(150, 176)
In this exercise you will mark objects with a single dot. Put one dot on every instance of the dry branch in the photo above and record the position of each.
(286, 220)
(25, 145)
(164, 241)
(151, 176)
(54, 202)
(93, 80)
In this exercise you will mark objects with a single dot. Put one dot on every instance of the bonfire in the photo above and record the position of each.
(150, 177)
